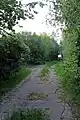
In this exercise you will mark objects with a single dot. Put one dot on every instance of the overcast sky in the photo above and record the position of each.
(37, 25)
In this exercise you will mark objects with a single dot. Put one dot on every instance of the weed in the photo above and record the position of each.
(37, 96)
(30, 114)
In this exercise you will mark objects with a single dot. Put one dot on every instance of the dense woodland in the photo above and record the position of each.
(25, 49)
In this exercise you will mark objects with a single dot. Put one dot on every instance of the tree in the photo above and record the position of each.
(70, 10)
(11, 11)
(51, 47)
(67, 11)
(13, 53)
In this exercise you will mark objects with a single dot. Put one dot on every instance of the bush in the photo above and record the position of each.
(69, 70)
(30, 114)
(12, 49)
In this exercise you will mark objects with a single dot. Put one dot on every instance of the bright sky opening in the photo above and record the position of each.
(38, 24)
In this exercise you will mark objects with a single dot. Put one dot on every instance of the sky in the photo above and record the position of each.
(37, 25)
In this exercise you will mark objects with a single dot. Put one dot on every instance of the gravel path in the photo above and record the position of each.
(18, 97)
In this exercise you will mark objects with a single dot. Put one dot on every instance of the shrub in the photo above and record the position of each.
(30, 114)
(70, 67)
(12, 49)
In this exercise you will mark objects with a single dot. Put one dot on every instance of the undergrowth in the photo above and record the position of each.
(30, 114)
(67, 81)
(14, 79)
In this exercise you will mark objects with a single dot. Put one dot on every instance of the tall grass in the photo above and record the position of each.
(59, 69)
(14, 79)
(67, 82)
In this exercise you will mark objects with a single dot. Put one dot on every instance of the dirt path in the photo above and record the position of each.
(18, 98)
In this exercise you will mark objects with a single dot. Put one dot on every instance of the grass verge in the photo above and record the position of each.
(59, 69)
(45, 73)
(14, 79)
(65, 94)
(51, 63)
(30, 114)
(44, 76)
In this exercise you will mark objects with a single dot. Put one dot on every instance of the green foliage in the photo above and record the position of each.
(36, 49)
(60, 71)
(64, 12)
(68, 12)
(59, 68)
(45, 72)
(71, 12)
(14, 79)
(12, 49)
(42, 48)
(51, 47)
(65, 94)
(22, 49)
(69, 70)
(10, 12)
(71, 63)
(30, 114)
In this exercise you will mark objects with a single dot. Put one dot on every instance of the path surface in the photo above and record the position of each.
(18, 97)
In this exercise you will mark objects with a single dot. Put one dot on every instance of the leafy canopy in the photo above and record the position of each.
(11, 11)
